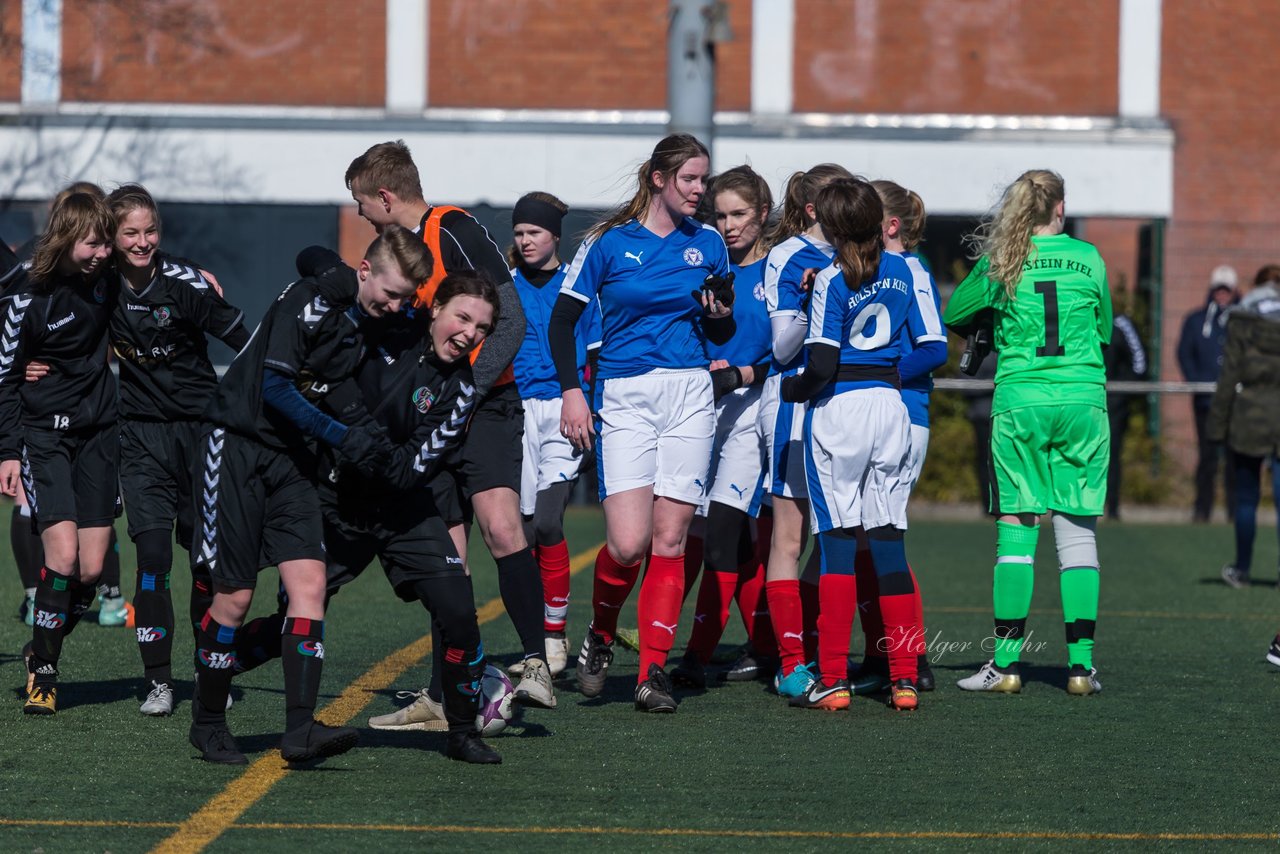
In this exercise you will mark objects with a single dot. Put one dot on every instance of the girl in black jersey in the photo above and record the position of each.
(165, 309)
(59, 435)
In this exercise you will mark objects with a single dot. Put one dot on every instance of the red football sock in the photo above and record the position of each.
(809, 608)
(613, 583)
(839, 595)
(693, 547)
(917, 644)
(752, 603)
(788, 621)
(869, 603)
(902, 633)
(553, 561)
(661, 594)
(711, 612)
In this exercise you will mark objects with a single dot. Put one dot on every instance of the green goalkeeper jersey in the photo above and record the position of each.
(1050, 335)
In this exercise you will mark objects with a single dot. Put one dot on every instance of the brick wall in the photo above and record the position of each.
(1219, 93)
(10, 51)
(314, 53)
(571, 54)
(957, 56)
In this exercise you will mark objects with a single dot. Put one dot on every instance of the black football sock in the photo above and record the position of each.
(302, 657)
(520, 583)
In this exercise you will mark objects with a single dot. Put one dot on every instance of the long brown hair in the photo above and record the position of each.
(74, 218)
(668, 156)
(1005, 236)
(907, 207)
(851, 214)
(802, 188)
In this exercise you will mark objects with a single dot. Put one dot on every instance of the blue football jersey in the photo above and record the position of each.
(649, 319)
(868, 324)
(752, 343)
(534, 371)
(915, 391)
(784, 271)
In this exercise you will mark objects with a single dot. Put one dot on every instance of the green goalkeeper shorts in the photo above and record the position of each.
(1050, 458)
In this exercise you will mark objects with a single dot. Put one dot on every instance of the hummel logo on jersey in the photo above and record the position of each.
(453, 561)
(795, 635)
(217, 660)
(57, 324)
(49, 619)
(634, 256)
(741, 492)
(131, 307)
(658, 625)
(150, 634)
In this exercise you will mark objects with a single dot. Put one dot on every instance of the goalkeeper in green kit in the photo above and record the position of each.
(1043, 297)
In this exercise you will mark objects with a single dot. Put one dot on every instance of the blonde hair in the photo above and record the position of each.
(802, 188)
(131, 197)
(851, 214)
(908, 207)
(75, 216)
(400, 246)
(668, 156)
(1005, 236)
(387, 165)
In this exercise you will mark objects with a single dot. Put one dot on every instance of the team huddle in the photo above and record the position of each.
(741, 378)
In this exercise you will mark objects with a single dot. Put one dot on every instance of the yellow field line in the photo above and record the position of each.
(672, 831)
(212, 820)
(1141, 615)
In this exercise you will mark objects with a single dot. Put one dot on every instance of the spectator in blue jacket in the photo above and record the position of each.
(1200, 348)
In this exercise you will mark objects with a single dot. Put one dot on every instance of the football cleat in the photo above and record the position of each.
(794, 684)
(654, 693)
(689, 673)
(469, 747)
(41, 700)
(924, 674)
(423, 713)
(871, 677)
(745, 668)
(215, 743)
(314, 740)
(992, 678)
(829, 698)
(557, 652)
(1081, 682)
(1273, 654)
(114, 611)
(159, 701)
(1235, 578)
(27, 610)
(534, 688)
(904, 697)
(593, 664)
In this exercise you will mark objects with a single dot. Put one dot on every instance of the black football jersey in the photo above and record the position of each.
(159, 336)
(310, 333)
(65, 326)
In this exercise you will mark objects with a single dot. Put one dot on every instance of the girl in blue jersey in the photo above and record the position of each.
(798, 245)
(857, 478)
(551, 462)
(741, 201)
(659, 276)
(902, 230)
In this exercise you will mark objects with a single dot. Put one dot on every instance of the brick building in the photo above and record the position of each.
(242, 116)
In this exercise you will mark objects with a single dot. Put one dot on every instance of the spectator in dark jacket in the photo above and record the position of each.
(1125, 361)
(1204, 333)
(1245, 412)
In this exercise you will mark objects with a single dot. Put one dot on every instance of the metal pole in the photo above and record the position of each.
(691, 68)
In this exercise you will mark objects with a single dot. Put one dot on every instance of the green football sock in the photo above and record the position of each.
(1011, 587)
(1080, 612)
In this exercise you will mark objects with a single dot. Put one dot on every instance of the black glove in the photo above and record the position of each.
(725, 380)
(792, 389)
(719, 287)
(976, 348)
(366, 448)
(347, 403)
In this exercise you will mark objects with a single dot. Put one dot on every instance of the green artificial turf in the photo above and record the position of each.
(1178, 743)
